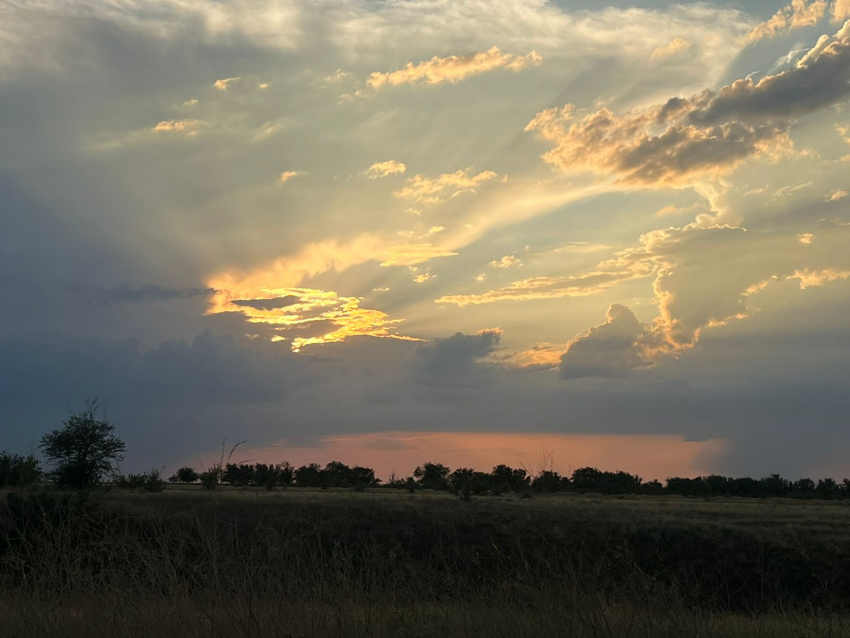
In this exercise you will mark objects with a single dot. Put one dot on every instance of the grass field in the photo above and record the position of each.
(387, 563)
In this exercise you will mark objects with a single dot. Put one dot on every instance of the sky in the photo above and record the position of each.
(387, 232)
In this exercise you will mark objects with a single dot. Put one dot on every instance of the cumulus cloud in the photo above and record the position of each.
(697, 140)
(430, 191)
(835, 196)
(608, 350)
(453, 68)
(840, 10)
(678, 45)
(385, 169)
(444, 361)
(796, 15)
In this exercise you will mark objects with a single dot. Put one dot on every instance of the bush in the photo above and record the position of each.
(148, 481)
(185, 475)
(17, 470)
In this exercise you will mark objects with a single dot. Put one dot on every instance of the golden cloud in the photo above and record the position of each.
(294, 309)
(676, 46)
(429, 191)
(385, 169)
(189, 127)
(796, 15)
(453, 68)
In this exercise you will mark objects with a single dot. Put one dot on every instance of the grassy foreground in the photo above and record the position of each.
(385, 563)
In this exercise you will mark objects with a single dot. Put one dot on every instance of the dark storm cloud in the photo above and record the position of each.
(150, 293)
(453, 360)
(215, 369)
(267, 304)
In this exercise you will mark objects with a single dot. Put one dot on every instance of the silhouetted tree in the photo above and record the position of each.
(239, 475)
(84, 449)
(286, 473)
(432, 476)
(308, 476)
(185, 475)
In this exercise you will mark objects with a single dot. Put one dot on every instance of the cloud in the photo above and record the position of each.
(453, 68)
(608, 350)
(325, 315)
(702, 137)
(385, 169)
(189, 127)
(840, 10)
(223, 85)
(809, 278)
(285, 176)
(543, 356)
(151, 293)
(209, 370)
(835, 196)
(444, 361)
(429, 191)
(796, 15)
(273, 303)
(508, 261)
(676, 46)
(547, 288)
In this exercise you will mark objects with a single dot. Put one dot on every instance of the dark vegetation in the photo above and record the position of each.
(513, 554)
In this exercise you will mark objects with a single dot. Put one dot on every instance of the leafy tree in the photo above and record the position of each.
(515, 480)
(286, 474)
(17, 470)
(84, 449)
(433, 476)
(185, 475)
(363, 477)
(308, 476)
(336, 474)
(240, 475)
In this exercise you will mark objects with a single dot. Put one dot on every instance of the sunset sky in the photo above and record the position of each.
(387, 232)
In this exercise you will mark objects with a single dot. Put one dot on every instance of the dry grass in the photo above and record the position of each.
(384, 563)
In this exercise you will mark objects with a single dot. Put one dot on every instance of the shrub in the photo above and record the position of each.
(17, 470)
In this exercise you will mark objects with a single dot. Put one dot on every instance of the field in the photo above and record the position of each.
(305, 563)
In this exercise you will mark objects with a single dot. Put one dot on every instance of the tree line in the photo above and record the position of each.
(85, 453)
